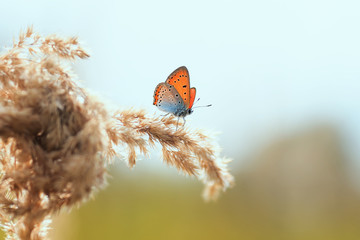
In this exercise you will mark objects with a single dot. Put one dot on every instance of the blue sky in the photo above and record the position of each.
(267, 67)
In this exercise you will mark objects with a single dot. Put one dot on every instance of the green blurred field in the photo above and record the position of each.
(150, 207)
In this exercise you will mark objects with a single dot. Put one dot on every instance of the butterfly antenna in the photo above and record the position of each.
(209, 105)
(196, 101)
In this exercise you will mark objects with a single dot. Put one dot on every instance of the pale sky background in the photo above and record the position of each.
(268, 67)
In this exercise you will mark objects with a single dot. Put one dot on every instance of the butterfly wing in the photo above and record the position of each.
(180, 79)
(167, 99)
(192, 97)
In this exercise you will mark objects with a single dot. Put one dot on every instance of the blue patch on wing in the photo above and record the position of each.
(170, 100)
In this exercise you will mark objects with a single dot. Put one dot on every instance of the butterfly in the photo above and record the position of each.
(175, 96)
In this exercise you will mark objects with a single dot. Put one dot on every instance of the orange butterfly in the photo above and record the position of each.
(175, 95)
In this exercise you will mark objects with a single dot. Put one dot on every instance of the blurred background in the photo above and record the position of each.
(283, 78)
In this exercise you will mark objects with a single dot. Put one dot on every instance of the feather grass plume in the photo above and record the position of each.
(56, 140)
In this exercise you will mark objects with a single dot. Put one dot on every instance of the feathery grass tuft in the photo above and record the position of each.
(56, 140)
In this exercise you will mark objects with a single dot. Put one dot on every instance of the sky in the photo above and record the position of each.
(267, 67)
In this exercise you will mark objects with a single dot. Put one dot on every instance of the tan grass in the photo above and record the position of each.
(56, 140)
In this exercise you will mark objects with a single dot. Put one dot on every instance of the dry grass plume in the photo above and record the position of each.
(56, 140)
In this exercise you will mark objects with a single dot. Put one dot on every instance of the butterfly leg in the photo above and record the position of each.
(184, 121)
(177, 123)
(164, 115)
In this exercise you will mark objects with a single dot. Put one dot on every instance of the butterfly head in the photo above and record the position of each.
(186, 112)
